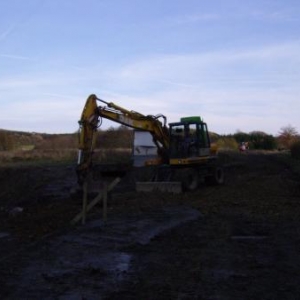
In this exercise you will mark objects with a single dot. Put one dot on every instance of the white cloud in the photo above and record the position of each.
(188, 69)
(12, 56)
(212, 85)
(193, 18)
(48, 114)
(6, 33)
(275, 16)
(238, 101)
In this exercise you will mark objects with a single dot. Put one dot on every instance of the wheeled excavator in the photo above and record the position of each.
(185, 155)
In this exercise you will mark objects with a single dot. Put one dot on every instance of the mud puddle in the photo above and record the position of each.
(91, 260)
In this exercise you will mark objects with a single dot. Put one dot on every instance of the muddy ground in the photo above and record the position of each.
(240, 240)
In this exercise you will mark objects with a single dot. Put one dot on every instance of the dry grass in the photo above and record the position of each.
(37, 155)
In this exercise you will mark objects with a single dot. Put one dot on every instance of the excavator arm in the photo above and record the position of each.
(91, 119)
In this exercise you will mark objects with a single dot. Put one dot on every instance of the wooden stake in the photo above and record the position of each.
(97, 199)
(105, 201)
(84, 201)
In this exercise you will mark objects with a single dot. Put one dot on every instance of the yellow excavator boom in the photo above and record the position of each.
(91, 118)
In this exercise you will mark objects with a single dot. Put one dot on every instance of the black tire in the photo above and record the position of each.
(190, 180)
(216, 177)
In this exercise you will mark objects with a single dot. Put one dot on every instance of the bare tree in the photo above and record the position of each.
(6, 141)
(287, 136)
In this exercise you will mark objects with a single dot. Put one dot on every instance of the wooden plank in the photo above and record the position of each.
(104, 210)
(97, 199)
(84, 201)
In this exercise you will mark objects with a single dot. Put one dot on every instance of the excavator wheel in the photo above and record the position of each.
(216, 176)
(190, 179)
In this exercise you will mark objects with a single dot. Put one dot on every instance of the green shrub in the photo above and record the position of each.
(114, 138)
(295, 149)
(227, 143)
(241, 137)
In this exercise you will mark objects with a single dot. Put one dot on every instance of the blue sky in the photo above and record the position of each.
(236, 63)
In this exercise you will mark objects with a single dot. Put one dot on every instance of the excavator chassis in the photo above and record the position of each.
(181, 179)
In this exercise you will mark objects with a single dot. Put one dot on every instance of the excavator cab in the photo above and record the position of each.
(188, 139)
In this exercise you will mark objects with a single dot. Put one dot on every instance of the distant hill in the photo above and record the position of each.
(111, 138)
(20, 140)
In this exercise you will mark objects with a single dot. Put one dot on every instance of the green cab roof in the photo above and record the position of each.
(191, 119)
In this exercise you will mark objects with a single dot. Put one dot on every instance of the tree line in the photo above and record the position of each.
(122, 137)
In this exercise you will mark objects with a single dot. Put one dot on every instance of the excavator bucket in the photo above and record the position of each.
(162, 186)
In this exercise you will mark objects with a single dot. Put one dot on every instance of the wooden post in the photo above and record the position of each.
(84, 201)
(105, 201)
(97, 199)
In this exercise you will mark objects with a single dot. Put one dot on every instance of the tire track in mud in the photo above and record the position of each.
(91, 260)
